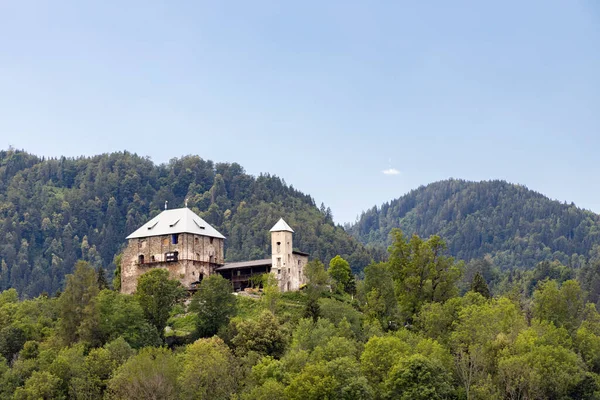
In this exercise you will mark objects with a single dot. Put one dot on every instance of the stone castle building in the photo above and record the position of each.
(189, 248)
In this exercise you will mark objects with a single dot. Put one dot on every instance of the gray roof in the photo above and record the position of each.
(246, 264)
(281, 225)
(177, 220)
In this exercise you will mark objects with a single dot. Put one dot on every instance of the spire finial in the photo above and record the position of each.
(166, 202)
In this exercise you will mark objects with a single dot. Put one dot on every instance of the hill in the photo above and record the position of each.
(516, 226)
(55, 211)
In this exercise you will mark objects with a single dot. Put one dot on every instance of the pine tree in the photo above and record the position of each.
(479, 285)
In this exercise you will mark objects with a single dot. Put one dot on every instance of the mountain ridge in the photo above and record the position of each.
(516, 226)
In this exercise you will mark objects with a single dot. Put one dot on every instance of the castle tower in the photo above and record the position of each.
(288, 265)
(177, 240)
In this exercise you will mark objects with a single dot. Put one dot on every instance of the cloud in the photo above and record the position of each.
(391, 171)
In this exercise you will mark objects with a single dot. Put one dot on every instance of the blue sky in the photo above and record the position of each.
(327, 95)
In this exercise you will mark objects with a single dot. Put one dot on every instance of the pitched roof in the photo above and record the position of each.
(177, 220)
(281, 225)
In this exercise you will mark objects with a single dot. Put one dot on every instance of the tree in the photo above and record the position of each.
(41, 385)
(157, 294)
(563, 306)
(418, 378)
(340, 272)
(12, 339)
(421, 272)
(151, 374)
(214, 303)
(102, 281)
(74, 302)
(207, 370)
(317, 279)
(117, 315)
(263, 335)
(479, 285)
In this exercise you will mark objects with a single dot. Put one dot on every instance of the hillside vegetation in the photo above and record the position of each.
(56, 211)
(516, 226)
(403, 332)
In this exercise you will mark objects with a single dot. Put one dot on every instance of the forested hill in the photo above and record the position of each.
(516, 226)
(55, 211)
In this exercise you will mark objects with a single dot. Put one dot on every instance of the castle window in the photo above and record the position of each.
(174, 239)
(172, 256)
(152, 259)
(193, 273)
(278, 272)
(288, 270)
(279, 247)
(289, 258)
(211, 240)
(196, 240)
(279, 261)
(141, 259)
(299, 262)
(299, 274)
(211, 259)
(288, 286)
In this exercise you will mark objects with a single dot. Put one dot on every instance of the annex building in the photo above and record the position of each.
(189, 248)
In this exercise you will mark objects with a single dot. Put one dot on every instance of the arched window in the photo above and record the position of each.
(141, 259)
(152, 259)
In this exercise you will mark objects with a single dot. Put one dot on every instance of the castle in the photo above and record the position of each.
(189, 248)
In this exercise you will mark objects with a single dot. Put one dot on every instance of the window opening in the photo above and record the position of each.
(172, 256)
(174, 239)
(141, 259)
(279, 247)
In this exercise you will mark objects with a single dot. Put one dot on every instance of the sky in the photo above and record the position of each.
(355, 103)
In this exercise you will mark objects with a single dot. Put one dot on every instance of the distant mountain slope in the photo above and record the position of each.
(55, 211)
(516, 226)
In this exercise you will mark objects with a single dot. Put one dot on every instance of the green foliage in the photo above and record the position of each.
(41, 385)
(516, 226)
(418, 378)
(263, 336)
(157, 294)
(479, 285)
(207, 371)
(214, 304)
(340, 273)
(75, 302)
(421, 272)
(563, 306)
(151, 374)
(56, 211)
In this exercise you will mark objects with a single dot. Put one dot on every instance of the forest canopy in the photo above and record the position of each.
(56, 211)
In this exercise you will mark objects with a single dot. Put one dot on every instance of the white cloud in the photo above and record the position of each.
(391, 171)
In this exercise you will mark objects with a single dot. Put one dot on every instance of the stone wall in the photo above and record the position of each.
(198, 256)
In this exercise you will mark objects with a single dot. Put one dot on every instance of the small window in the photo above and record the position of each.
(211, 240)
(198, 256)
(279, 247)
(279, 261)
(289, 258)
(193, 273)
(288, 270)
(197, 240)
(172, 256)
(152, 259)
(299, 262)
(299, 274)
(278, 272)
(141, 259)
(174, 239)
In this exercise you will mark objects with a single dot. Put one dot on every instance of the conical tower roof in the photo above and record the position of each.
(280, 226)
